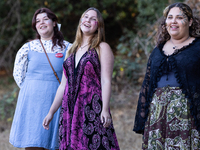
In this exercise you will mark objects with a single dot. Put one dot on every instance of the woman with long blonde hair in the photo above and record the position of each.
(85, 120)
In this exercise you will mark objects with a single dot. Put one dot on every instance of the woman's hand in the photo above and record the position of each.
(56, 103)
(105, 118)
(47, 121)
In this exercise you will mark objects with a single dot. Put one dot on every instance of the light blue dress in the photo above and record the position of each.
(38, 86)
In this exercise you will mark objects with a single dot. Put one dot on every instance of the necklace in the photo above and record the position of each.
(174, 47)
(83, 46)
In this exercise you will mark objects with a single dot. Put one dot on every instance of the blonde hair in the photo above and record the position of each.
(96, 38)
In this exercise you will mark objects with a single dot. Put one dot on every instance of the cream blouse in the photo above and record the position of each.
(21, 60)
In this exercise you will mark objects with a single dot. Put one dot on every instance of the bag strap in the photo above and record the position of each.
(50, 62)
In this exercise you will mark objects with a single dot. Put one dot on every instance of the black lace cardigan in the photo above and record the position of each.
(185, 62)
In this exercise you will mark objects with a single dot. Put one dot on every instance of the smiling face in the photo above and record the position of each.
(177, 23)
(44, 26)
(89, 22)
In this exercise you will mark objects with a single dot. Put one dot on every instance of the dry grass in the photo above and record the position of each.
(123, 123)
(123, 110)
(4, 141)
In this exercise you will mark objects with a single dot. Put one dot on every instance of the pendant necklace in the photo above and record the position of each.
(83, 46)
(174, 47)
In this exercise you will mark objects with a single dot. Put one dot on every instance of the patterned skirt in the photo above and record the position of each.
(170, 125)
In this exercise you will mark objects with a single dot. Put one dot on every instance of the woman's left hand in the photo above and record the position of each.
(106, 118)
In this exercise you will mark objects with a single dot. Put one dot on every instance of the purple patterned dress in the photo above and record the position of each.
(80, 125)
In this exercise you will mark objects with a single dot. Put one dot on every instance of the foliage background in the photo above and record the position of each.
(124, 20)
(130, 26)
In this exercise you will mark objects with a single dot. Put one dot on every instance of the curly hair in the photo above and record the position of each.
(57, 38)
(194, 29)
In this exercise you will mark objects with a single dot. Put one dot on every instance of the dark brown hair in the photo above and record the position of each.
(163, 35)
(57, 38)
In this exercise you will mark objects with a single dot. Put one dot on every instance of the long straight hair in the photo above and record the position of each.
(57, 38)
(95, 39)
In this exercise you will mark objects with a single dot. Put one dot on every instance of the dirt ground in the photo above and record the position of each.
(123, 106)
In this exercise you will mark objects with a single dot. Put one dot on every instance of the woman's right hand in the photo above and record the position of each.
(47, 121)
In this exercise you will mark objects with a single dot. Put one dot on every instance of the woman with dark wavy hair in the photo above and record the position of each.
(38, 84)
(168, 111)
(84, 92)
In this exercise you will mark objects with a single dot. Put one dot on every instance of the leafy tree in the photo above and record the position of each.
(16, 18)
(130, 26)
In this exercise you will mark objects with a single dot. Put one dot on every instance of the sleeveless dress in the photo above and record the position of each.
(80, 124)
(34, 101)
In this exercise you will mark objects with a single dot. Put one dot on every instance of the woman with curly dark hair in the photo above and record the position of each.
(38, 84)
(168, 111)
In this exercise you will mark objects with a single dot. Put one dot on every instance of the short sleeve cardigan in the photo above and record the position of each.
(185, 63)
